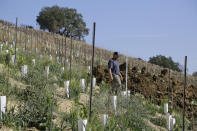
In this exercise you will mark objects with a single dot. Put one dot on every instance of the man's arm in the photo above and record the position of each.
(110, 73)
(121, 78)
(110, 66)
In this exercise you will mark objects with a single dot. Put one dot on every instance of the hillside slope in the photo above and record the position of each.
(56, 45)
(36, 102)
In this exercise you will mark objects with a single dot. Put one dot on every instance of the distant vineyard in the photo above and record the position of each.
(59, 47)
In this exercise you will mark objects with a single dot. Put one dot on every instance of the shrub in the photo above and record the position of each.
(159, 121)
(75, 90)
(36, 108)
(37, 99)
(11, 119)
(95, 124)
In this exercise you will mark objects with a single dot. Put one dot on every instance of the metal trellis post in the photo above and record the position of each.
(93, 43)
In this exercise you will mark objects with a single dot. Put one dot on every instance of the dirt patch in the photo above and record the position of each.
(84, 98)
(2, 68)
(64, 105)
(16, 83)
(11, 103)
(60, 91)
(4, 128)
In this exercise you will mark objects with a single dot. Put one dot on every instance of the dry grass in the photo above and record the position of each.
(155, 127)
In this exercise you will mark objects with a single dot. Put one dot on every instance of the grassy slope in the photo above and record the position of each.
(132, 114)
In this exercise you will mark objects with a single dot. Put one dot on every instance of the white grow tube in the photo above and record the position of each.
(166, 108)
(24, 70)
(66, 86)
(62, 69)
(94, 83)
(13, 59)
(82, 83)
(47, 70)
(3, 105)
(34, 61)
(104, 119)
(82, 125)
(114, 102)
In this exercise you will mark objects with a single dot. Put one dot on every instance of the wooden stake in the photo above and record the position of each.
(70, 57)
(65, 55)
(16, 39)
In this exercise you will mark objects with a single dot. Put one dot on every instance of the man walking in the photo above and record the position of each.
(114, 73)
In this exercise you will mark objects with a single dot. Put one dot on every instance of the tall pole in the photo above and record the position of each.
(168, 86)
(16, 39)
(51, 122)
(192, 114)
(59, 51)
(91, 75)
(25, 37)
(185, 83)
(56, 46)
(8, 33)
(85, 57)
(20, 35)
(36, 40)
(38, 43)
(65, 55)
(70, 56)
(62, 50)
(31, 41)
(126, 74)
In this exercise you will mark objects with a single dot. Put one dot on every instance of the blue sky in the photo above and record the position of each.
(143, 28)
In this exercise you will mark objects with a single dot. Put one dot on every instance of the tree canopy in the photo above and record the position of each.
(65, 21)
(165, 62)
